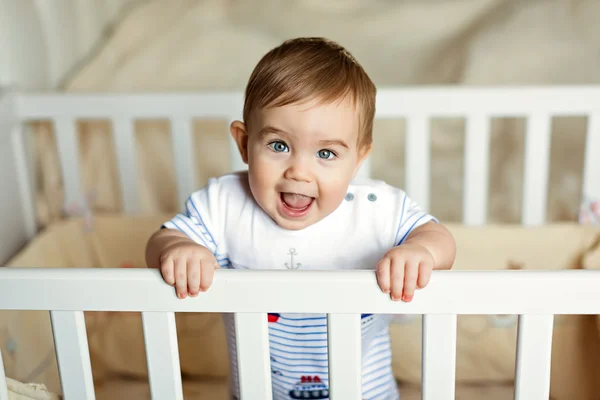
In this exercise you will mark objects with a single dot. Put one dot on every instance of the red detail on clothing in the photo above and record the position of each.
(273, 317)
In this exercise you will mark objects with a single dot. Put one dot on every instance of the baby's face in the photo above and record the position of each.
(301, 159)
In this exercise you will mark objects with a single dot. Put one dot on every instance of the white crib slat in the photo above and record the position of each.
(345, 361)
(537, 156)
(124, 137)
(3, 387)
(72, 353)
(24, 177)
(418, 160)
(439, 356)
(182, 153)
(591, 178)
(476, 176)
(162, 355)
(68, 152)
(254, 364)
(534, 348)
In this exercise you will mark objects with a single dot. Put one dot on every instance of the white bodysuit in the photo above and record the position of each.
(373, 218)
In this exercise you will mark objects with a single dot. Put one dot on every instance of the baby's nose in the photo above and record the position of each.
(299, 170)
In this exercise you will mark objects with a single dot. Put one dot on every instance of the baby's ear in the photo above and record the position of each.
(240, 135)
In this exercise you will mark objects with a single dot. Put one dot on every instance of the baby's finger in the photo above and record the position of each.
(397, 277)
(382, 272)
(181, 278)
(424, 276)
(208, 273)
(167, 268)
(194, 276)
(411, 274)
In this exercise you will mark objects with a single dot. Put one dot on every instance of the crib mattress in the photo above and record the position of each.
(485, 344)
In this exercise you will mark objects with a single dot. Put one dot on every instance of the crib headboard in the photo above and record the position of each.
(477, 105)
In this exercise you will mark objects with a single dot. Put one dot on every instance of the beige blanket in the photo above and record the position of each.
(195, 45)
(29, 391)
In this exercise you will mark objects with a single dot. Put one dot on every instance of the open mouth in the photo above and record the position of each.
(294, 204)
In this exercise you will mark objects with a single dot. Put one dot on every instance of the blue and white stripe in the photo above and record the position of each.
(411, 216)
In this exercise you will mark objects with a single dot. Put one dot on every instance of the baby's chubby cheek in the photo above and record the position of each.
(332, 196)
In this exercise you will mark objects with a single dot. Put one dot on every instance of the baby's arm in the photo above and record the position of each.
(438, 240)
(408, 266)
(183, 263)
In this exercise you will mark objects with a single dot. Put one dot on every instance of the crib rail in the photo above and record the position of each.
(417, 105)
(536, 296)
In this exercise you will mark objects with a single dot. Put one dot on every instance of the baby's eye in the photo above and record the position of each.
(278, 146)
(326, 154)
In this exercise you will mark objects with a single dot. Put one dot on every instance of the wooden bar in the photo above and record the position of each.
(537, 157)
(162, 355)
(254, 364)
(124, 139)
(534, 353)
(72, 354)
(345, 361)
(476, 175)
(418, 160)
(439, 357)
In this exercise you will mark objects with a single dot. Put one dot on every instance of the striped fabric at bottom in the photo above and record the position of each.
(299, 363)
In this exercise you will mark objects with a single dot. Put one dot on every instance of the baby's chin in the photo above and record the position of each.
(293, 225)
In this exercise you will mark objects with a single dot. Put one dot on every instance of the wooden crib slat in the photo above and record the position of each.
(25, 180)
(72, 354)
(162, 355)
(418, 160)
(182, 155)
(3, 387)
(439, 356)
(253, 362)
(476, 175)
(537, 156)
(124, 138)
(534, 348)
(345, 361)
(591, 177)
(68, 152)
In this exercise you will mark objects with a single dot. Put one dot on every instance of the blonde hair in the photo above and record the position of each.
(311, 68)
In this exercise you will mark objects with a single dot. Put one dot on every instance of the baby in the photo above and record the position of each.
(307, 127)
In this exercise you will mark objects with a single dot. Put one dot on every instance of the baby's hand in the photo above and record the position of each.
(189, 267)
(403, 269)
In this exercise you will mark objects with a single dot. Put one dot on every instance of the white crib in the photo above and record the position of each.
(535, 296)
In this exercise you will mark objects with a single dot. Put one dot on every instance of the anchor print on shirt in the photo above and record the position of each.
(292, 264)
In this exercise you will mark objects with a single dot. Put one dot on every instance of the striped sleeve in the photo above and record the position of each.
(411, 217)
(200, 221)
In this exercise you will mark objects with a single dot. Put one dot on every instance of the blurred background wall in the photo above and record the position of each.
(190, 45)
